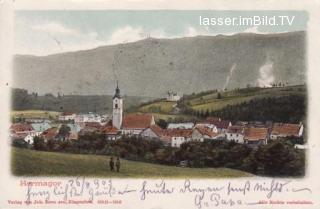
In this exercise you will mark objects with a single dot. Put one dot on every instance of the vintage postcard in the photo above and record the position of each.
(155, 104)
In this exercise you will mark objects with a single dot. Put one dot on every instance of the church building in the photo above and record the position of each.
(130, 124)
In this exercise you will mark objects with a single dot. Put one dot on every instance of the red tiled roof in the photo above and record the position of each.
(110, 130)
(213, 119)
(223, 124)
(254, 134)
(66, 113)
(206, 131)
(109, 123)
(157, 130)
(286, 129)
(93, 125)
(235, 129)
(137, 121)
(21, 127)
(50, 133)
(177, 132)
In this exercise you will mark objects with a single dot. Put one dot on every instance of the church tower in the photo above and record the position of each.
(117, 109)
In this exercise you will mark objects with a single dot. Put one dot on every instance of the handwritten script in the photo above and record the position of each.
(226, 193)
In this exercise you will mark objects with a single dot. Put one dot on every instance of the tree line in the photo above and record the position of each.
(278, 158)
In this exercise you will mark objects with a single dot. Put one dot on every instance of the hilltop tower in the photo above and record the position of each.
(117, 109)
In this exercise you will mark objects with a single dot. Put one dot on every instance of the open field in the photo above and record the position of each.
(211, 101)
(165, 107)
(37, 163)
(171, 117)
(35, 114)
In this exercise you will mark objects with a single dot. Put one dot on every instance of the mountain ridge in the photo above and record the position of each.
(185, 65)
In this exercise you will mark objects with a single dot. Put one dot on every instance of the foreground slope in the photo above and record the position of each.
(36, 163)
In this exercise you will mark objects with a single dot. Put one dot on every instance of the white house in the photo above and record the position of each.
(281, 130)
(21, 130)
(29, 139)
(152, 132)
(173, 96)
(235, 133)
(40, 127)
(112, 133)
(90, 117)
(189, 125)
(207, 125)
(222, 125)
(66, 116)
(201, 133)
(176, 137)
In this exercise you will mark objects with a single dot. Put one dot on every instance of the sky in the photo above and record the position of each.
(49, 32)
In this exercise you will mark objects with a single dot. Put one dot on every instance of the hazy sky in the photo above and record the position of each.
(49, 32)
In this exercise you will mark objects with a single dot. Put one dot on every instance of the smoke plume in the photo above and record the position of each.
(266, 77)
(232, 69)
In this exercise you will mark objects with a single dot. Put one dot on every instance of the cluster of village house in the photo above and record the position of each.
(144, 126)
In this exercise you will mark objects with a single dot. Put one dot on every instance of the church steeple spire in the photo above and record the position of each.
(117, 93)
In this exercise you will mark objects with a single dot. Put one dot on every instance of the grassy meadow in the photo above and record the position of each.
(35, 114)
(37, 163)
(165, 107)
(211, 102)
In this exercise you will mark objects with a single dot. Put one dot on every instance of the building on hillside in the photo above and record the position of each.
(90, 128)
(173, 96)
(67, 116)
(178, 136)
(29, 139)
(281, 130)
(74, 131)
(200, 133)
(152, 132)
(87, 118)
(207, 125)
(74, 128)
(105, 118)
(23, 131)
(112, 133)
(221, 125)
(241, 123)
(50, 134)
(37, 120)
(235, 133)
(255, 136)
(40, 127)
(135, 123)
(96, 125)
(188, 125)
